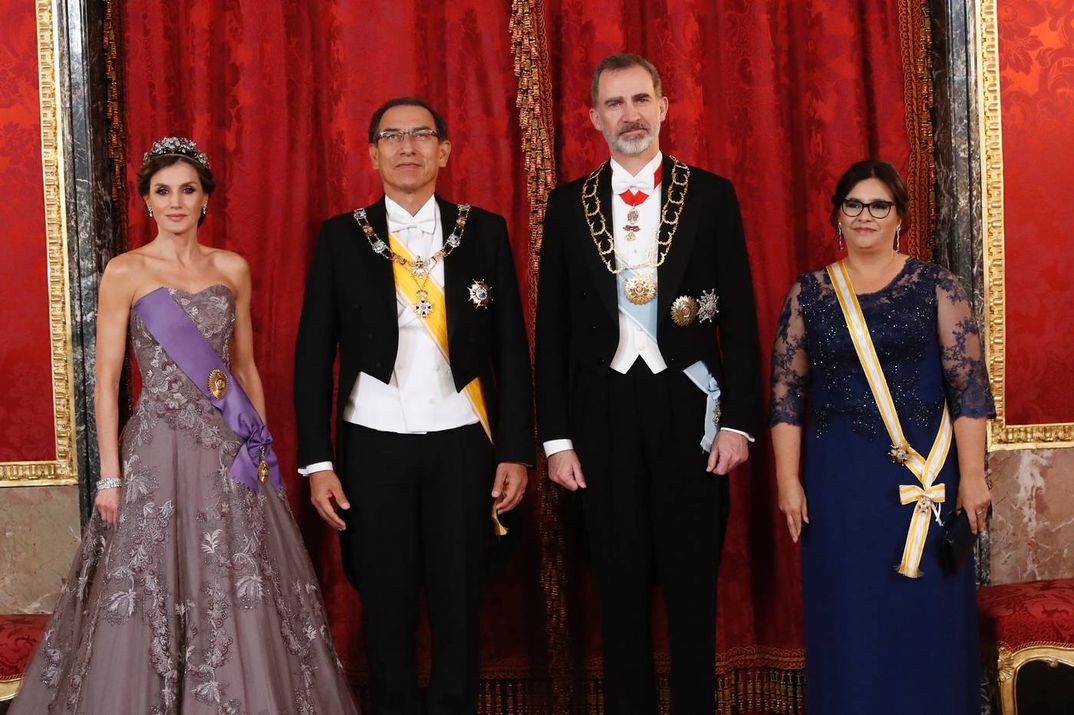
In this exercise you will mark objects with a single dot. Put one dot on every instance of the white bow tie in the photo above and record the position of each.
(425, 225)
(623, 182)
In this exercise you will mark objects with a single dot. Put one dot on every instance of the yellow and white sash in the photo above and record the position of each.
(925, 496)
(407, 287)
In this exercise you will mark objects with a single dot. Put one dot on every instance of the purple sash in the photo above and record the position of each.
(191, 352)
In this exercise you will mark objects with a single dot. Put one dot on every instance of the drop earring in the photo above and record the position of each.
(150, 210)
(839, 230)
(204, 209)
(898, 240)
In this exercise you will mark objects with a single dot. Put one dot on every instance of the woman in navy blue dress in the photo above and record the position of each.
(878, 641)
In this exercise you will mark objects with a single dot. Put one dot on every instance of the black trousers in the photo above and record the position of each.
(420, 517)
(653, 516)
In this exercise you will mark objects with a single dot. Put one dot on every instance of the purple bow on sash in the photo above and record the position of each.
(191, 352)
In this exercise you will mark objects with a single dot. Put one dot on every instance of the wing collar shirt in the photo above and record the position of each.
(420, 397)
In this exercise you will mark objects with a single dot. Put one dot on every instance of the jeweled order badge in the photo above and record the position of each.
(480, 293)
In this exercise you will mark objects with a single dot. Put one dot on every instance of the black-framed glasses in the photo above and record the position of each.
(421, 135)
(877, 209)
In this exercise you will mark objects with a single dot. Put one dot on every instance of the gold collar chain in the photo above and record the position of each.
(420, 268)
(669, 215)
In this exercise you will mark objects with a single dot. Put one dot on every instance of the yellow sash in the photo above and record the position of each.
(925, 496)
(436, 323)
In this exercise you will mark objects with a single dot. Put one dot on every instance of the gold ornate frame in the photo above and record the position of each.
(1010, 662)
(1001, 434)
(9, 688)
(62, 469)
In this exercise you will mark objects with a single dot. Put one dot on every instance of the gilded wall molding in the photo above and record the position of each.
(1001, 435)
(62, 469)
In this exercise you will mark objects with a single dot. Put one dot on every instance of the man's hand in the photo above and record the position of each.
(509, 486)
(324, 489)
(728, 451)
(565, 470)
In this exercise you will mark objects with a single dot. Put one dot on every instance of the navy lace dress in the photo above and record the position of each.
(877, 642)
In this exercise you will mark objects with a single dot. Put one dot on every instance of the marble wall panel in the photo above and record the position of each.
(1032, 532)
(39, 532)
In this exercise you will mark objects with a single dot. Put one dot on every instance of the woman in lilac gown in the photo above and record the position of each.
(878, 640)
(192, 591)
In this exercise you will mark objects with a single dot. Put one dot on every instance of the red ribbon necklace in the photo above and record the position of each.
(633, 199)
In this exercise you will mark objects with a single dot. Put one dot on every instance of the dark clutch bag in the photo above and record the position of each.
(958, 541)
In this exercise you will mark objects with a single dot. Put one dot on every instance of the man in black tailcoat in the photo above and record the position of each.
(433, 429)
(647, 383)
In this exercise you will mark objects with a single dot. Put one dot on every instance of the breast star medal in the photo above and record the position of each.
(639, 290)
(707, 306)
(684, 311)
(899, 453)
(480, 293)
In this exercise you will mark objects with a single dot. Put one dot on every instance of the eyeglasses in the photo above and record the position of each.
(395, 137)
(877, 209)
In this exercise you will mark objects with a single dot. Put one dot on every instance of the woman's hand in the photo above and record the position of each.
(107, 505)
(974, 497)
(792, 502)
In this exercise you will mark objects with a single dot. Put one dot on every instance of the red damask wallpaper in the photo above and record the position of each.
(1036, 61)
(27, 431)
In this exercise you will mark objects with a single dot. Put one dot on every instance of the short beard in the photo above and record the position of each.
(632, 147)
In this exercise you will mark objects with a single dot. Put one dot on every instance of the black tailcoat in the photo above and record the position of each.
(350, 306)
(577, 313)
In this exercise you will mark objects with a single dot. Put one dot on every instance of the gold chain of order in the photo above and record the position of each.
(673, 202)
(379, 246)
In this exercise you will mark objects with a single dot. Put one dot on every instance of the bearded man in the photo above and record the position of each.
(647, 382)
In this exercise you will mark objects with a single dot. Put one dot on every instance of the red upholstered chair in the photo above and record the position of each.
(18, 638)
(1024, 622)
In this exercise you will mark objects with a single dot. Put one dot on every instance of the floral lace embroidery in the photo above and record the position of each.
(903, 323)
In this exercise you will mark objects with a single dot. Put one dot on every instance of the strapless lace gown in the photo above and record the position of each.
(203, 598)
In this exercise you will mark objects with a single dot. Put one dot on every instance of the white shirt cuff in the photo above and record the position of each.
(557, 445)
(747, 435)
(316, 467)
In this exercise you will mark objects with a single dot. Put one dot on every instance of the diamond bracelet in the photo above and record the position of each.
(110, 483)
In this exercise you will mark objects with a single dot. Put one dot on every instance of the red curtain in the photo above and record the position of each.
(780, 97)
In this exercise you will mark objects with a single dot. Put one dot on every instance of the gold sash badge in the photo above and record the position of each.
(925, 496)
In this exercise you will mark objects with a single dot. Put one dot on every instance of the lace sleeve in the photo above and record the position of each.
(790, 363)
(965, 377)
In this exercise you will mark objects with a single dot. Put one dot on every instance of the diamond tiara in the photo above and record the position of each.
(176, 146)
